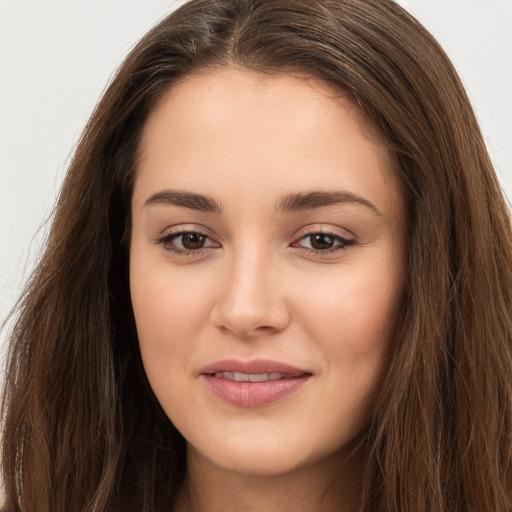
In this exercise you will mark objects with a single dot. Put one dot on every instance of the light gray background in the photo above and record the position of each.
(56, 57)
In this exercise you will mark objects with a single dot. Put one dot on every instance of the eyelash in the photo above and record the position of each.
(342, 242)
(168, 239)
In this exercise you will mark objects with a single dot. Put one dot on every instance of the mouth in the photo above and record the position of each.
(253, 377)
(253, 383)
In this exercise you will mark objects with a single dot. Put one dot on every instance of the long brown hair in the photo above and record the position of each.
(82, 430)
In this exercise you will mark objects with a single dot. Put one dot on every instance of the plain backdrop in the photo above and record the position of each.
(57, 56)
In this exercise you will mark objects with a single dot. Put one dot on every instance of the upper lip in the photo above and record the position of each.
(254, 366)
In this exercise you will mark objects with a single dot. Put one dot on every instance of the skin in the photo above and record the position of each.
(255, 289)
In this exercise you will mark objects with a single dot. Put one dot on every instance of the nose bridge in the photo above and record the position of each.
(250, 299)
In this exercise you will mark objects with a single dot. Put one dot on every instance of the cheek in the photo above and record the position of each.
(356, 330)
(359, 312)
(169, 314)
(353, 320)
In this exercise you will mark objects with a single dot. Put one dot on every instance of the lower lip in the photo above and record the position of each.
(254, 394)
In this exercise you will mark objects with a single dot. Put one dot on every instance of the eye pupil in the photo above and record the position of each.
(321, 241)
(192, 241)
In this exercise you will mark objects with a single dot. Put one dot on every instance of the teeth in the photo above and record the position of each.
(225, 375)
(250, 377)
(258, 377)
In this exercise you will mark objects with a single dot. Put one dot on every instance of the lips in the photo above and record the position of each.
(252, 377)
(253, 383)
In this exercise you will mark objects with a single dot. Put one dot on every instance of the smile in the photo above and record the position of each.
(253, 383)
(252, 377)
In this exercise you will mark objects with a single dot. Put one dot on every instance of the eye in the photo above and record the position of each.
(190, 241)
(187, 242)
(322, 243)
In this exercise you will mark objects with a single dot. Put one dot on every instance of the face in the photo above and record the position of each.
(266, 268)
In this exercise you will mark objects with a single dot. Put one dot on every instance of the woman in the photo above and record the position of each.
(278, 277)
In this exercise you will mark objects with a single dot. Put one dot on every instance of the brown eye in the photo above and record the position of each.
(322, 241)
(192, 241)
(187, 242)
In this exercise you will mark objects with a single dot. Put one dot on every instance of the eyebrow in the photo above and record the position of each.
(289, 203)
(185, 200)
(318, 199)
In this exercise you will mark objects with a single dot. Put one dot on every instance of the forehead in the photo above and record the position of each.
(247, 132)
(226, 95)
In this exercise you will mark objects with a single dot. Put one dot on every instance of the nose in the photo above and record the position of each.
(251, 301)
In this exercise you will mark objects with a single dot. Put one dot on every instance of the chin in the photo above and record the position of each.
(258, 463)
(266, 457)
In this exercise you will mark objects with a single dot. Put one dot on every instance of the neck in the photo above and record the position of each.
(330, 486)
